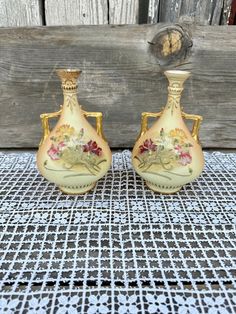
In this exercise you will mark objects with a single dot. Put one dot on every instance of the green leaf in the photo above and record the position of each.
(81, 133)
(162, 132)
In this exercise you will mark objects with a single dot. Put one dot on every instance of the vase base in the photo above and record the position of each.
(162, 189)
(77, 189)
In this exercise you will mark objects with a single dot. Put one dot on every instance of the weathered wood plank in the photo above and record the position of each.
(76, 12)
(229, 12)
(20, 13)
(201, 11)
(121, 77)
(153, 11)
(123, 11)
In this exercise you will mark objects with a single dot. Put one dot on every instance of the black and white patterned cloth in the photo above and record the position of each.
(120, 248)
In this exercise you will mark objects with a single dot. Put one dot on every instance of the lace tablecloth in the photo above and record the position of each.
(120, 248)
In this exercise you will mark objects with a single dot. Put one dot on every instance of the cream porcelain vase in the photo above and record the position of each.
(73, 155)
(167, 155)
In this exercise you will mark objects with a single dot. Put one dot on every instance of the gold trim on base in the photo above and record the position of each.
(162, 190)
(77, 190)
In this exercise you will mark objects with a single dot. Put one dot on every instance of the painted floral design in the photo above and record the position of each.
(72, 150)
(148, 145)
(92, 147)
(169, 151)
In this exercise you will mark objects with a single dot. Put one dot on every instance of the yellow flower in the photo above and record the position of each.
(64, 131)
(178, 134)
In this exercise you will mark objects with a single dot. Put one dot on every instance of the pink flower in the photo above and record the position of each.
(185, 158)
(61, 145)
(92, 147)
(148, 145)
(53, 152)
(178, 148)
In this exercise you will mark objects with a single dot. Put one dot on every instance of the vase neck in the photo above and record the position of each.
(176, 80)
(70, 100)
(173, 100)
(69, 85)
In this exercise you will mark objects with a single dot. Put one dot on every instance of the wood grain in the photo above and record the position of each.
(76, 12)
(153, 11)
(201, 12)
(20, 13)
(123, 11)
(122, 76)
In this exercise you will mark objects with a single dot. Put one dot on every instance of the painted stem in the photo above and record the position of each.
(178, 174)
(78, 175)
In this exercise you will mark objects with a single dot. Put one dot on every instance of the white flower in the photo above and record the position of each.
(230, 206)
(121, 218)
(178, 217)
(67, 305)
(102, 204)
(20, 218)
(98, 304)
(210, 206)
(174, 206)
(128, 304)
(119, 205)
(8, 307)
(44, 205)
(155, 205)
(216, 305)
(157, 304)
(186, 305)
(166, 141)
(3, 218)
(192, 205)
(81, 217)
(100, 216)
(38, 306)
(217, 218)
(27, 205)
(86, 204)
(139, 217)
(198, 218)
(215, 166)
(60, 218)
(137, 205)
(40, 217)
(159, 217)
(7, 205)
(80, 204)
(64, 204)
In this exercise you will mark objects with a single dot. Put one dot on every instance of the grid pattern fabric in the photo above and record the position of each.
(120, 248)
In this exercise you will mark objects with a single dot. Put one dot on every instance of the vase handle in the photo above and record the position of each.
(144, 120)
(98, 116)
(196, 125)
(46, 116)
(45, 124)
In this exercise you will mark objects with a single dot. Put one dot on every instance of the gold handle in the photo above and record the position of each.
(196, 125)
(46, 116)
(98, 116)
(144, 120)
(45, 124)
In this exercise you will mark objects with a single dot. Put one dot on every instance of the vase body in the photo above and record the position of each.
(168, 155)
(73, 155)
